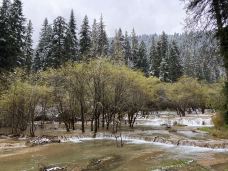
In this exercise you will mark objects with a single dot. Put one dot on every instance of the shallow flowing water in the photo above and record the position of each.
(192, 120)
(89, 154)
(104, 153)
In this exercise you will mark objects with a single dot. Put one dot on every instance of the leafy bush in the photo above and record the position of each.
(218, 120)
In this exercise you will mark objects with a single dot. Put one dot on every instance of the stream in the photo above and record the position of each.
(149, 147)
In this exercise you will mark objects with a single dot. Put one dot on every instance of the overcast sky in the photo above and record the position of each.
(146, 16)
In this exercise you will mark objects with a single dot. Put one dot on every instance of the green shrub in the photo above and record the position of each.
(218, 120)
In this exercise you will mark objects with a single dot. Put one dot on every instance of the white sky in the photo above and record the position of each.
(146, 16)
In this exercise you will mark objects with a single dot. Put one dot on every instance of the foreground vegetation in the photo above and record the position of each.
(97, 91)
(221, 132)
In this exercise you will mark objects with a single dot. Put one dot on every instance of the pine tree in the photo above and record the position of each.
(43, 49)
(7, 59)
(175, 68)
(155, 60)
(163, 45)
(164, 70)
(142, 62)
(102, 39)
(162, 50)
(17, 31)
(134, 48)
(71, 42)
(28, 47)
(118, 54)
(94, 39)
(111, 48)
(37, 64)
(127, 50)
(85, 38)
(121, 37)
(58, 52)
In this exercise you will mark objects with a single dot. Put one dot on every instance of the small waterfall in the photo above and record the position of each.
(157, 140)
(188, 121)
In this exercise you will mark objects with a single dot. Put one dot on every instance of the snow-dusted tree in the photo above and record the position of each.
(162, 50)
(102, 38)
(118, 53)
(111, 48)
(127, 50)
(164, 70)
(85, 38)
(199, 54)
(71, 42)
(28, 51)
(7, 59)
(58, 53)
(163, 45)
(37, 63)
(94, 39)
(43, 49)
(134, 47)
(175, 68)
(17, 31)
(155, 60)
(142, 61)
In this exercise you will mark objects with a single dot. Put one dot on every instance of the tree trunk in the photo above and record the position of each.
(67, 126)
(72, 123)
(95, 124)
(92, 124)
(32, 132)
(114, 123)
(82, 117)
(103, 119)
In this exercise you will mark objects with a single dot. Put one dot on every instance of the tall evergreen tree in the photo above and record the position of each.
(102, 38)
(162, 50)
(164, 70)
(134, 48)
(7, 59)
(111, 48)
(127, 49)
(142, 61)
(28, 47)
(43, 48)
(155, 60)
(85, 38)
(58, 52)
(17, 31)
(175, 68)
(118, 54)
(94, 39)
(71, 43)
(37, 64)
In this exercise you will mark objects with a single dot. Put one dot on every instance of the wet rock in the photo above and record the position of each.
(14, 135)
(43, 140)
(39, 141)
(52, 168)
(105, 163)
